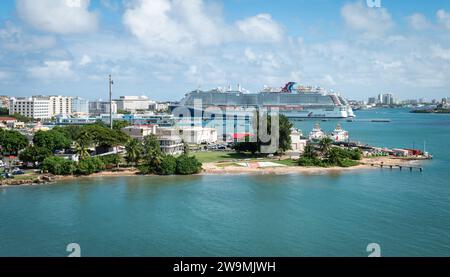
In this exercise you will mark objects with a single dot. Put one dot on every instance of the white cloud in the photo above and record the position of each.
(85, 60)
(172, 25)
(443, 18)
(13, 38)
(53, 70)
(58, 16)
(418, 21)
(261, 28)
(437, 51)
(373, 22)
(184, 26)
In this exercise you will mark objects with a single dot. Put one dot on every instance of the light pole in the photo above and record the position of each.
(110, 101)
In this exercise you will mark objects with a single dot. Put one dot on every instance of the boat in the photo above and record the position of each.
(316, 134)
(293, 100)
(339, 134)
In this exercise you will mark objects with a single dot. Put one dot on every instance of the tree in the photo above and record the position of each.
(11, 141)
(187, 165)
(134, 149)
(309, 151)
(168, 165)
(33, 154)
(151, 146)
(4, 111)
(119, 124)
(285, 127)
(82, 150)
(325, 146)
(52, 140)
(89, 165)
(58, 165)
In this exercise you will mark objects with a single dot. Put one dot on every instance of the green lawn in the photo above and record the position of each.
(210, 157)
(287, 162)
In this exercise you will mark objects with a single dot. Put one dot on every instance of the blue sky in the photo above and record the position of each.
(164, 48)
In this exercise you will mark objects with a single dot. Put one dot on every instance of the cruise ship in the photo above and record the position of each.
(293, 100)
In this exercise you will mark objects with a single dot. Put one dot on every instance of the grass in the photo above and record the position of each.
(287, 162)
(218, 156)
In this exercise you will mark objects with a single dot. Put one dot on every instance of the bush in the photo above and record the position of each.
(347, 163)
(307, 161)
(168, 166)
(58, 166)
(188, 165)
(89, 166)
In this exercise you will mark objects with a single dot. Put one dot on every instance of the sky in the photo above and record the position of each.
(166, 48)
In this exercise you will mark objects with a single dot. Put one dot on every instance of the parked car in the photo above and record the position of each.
(17, 171)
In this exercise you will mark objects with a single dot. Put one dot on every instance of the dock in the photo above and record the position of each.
(396, 166)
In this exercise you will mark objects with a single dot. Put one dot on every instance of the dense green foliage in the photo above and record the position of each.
(119, 124)
(326, 155)
(134, 149)
(33, 154)
(52, 140)
(4, 111)
(58, 166)
(168, 165)
(89, 165)
(188, 165)
(110, 160)
(11, 142)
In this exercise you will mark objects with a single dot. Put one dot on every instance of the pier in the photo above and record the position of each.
(396, 166)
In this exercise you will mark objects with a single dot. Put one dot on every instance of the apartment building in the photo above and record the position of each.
(40, 107)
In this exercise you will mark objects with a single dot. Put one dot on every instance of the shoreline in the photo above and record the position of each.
(217, 168)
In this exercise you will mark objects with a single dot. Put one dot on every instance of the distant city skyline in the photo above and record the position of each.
(163, 49)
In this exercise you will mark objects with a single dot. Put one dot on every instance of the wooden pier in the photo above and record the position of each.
(396, 166)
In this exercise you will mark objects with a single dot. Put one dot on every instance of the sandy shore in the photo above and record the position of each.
(217, 168)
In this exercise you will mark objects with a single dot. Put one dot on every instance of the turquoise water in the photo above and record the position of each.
(406, 213)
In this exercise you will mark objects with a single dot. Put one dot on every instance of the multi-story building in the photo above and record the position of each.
(133, 103)
(36, 107)
(60, 105)
(40, 107)
(101, 107)
(80, 106)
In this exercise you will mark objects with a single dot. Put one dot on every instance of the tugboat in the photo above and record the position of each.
(316, 134)
(339, 134)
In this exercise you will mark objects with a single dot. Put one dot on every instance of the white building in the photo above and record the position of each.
(190, 135)
(80, 106)
(40, 107)
(140, 131)
(4, 101)
(101, 107)
(133, 103)
(297, 143)
(172, 145)
(33, 107)
(60, 105)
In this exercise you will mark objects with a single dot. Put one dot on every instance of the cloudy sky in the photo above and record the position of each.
(164, 48)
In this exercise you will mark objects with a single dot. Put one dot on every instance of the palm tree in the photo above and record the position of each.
(325, 145)
(134, 149)
(82, 150)
(309, 151)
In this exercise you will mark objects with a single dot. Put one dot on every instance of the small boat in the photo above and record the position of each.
(339, 134)
(316, 133)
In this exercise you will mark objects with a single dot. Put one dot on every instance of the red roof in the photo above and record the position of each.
(7, 118)
(241, 135)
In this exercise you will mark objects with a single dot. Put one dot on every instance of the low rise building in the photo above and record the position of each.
(133, 103)
(140, 131)
(172, 145)
(190, 135)
(297, 143)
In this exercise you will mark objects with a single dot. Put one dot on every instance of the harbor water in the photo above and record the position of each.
(339, 214)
